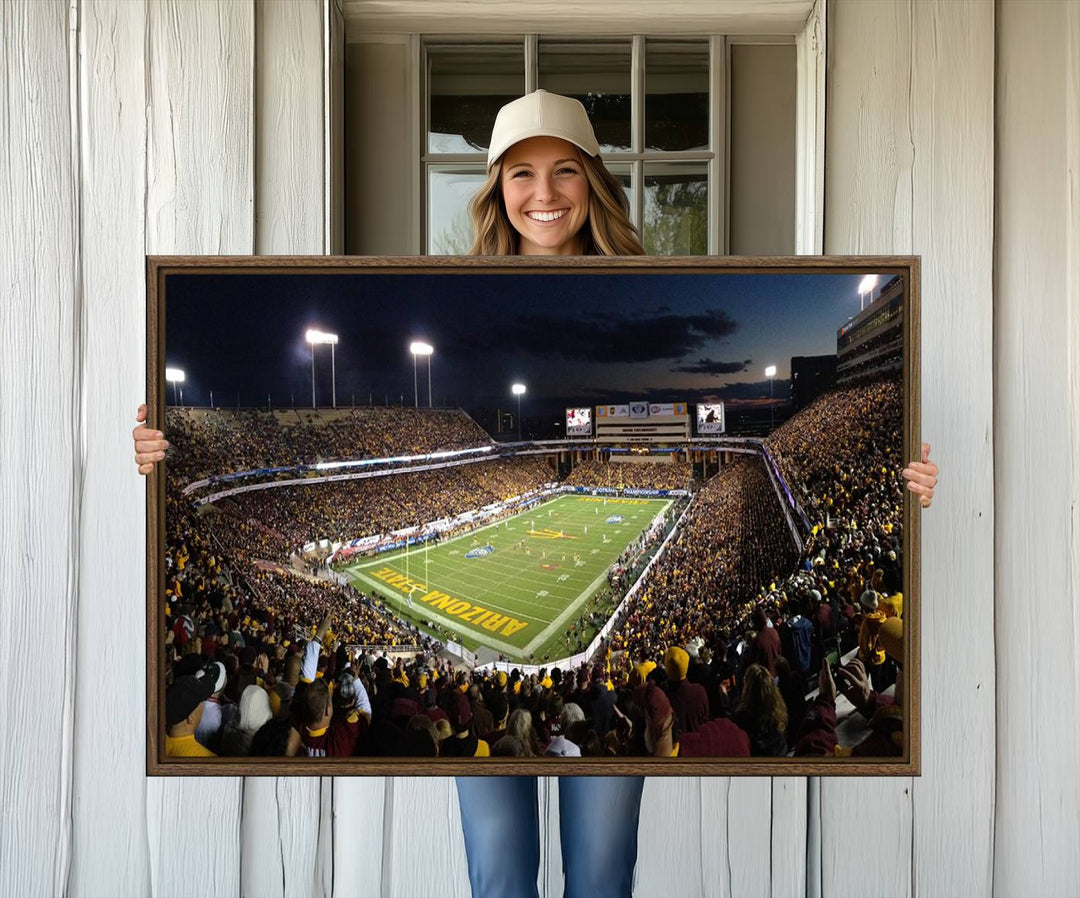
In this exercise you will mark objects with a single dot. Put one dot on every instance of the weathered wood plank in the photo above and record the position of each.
(40, 444)
(289, 128)
(285, 850)
(424, 856)
(110, 771)
(1037, 448)
(669, 838)
(199, 198)
(868, 159)
(359, 819)
(909, 169)
(952, 124)
(788, 838)
(279, 835)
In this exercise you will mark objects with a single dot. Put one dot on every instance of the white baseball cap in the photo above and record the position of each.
(541, 114)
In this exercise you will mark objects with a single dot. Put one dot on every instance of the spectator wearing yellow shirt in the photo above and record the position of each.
(183, 711)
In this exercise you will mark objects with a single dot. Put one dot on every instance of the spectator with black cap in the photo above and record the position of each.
(183, 711)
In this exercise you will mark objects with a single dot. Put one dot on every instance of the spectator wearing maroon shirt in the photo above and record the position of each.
(463, 743)
(324, 734)
(689, 701)
(766, 646)
(500, 713)
(582, 694)
(661, 730)
(719, 738)
(483, 719)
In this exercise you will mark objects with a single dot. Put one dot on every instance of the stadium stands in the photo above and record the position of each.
(731, 593)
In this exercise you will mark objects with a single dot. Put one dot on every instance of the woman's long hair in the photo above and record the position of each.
(761, 706)
(606, 232)
(521, 727)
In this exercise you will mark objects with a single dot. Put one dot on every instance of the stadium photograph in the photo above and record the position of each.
(454, 513)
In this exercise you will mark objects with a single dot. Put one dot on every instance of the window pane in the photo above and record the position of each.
(449, 191)
(676, 95)
(597, 74)
(467, 84)
(623, 174)
(676, 209)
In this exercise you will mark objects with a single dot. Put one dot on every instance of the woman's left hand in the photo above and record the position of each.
(922, 477)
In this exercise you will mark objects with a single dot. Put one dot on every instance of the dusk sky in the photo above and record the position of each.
(571, 338)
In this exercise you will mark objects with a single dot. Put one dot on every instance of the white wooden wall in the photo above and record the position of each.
(199, 127)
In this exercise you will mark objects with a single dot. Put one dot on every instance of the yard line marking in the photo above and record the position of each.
(515, 592)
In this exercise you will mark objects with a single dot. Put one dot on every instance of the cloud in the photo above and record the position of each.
(593, 338)
(730, 392)
(711, 366)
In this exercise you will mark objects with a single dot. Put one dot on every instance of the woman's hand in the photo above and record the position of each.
(922, 477)
(150, 445)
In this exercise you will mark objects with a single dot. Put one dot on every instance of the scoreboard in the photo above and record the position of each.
(710, 417)
(643, 422)
(579, 422)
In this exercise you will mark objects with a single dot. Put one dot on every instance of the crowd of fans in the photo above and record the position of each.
(323, 699)
(352, 509)
(218, 441)
(731, 541)
(221, 593)
(714, 656)
(632, 475)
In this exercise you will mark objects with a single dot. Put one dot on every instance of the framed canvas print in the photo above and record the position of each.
(432, 516)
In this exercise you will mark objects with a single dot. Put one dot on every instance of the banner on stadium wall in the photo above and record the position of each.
(613, 411)
(396, 540)
(667, 408)
(579, 422)
(401, 543)
(639, 410)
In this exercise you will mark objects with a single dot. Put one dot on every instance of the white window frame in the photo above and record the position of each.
(810, 125)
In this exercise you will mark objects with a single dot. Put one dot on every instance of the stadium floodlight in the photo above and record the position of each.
(418, 347)
(866, 285)
(518, 390)
(175, 376)
(770, 373)
(316, 336)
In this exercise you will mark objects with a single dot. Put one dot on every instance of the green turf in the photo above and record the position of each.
(517, 602)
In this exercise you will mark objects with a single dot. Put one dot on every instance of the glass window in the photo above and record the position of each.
(450, 188)
(676, 209)
(651, 104)
(597, 74)
(676, 95)
(467, 84)
(624, 174)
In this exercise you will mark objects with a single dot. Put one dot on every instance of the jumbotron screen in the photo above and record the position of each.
(579, 422)
(710, 417)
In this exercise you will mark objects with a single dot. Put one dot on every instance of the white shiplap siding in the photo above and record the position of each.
(136, 127)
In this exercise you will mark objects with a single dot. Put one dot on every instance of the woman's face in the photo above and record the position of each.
(546, 195)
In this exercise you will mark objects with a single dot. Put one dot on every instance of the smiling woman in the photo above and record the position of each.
(546, 196)
(547, 191)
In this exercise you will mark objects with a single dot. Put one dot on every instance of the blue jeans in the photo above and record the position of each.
(598, 823)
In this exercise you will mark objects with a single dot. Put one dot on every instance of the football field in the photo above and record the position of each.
(517, 585)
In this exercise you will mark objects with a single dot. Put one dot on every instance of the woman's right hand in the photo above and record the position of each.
(150, 445)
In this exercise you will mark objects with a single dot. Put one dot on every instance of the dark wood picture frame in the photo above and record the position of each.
(159, 268)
